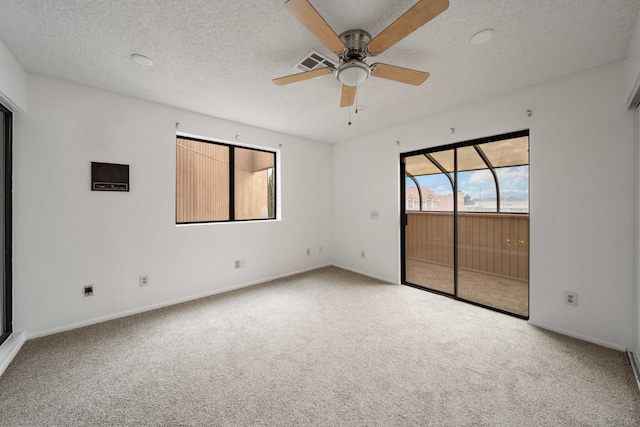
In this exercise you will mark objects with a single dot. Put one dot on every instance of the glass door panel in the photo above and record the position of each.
(491, 243)
(429, 206)
(2, 286)
(5, 226)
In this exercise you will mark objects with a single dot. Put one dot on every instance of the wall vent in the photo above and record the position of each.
(314, 60)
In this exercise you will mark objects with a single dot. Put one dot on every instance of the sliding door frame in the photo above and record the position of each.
(404, 216)
(7, 275)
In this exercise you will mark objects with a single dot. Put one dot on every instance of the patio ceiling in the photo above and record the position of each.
(500, 154)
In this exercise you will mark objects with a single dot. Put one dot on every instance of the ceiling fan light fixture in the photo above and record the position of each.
(353, 73)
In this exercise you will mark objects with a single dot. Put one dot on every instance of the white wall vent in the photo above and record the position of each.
(314, 60)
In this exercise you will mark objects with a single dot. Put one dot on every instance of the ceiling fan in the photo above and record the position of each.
(353, 47)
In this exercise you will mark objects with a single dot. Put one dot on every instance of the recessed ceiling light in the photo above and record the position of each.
(482, 36)
(142, 60)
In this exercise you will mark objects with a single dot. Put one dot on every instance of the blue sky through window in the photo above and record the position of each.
(513, 181)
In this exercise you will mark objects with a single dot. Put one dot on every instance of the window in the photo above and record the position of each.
(221, 182)
(428, 204)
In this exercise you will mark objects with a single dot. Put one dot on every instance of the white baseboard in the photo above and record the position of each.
(70, 326)
(10, 348)
(634, 358)
(587, 338)
(364, 273)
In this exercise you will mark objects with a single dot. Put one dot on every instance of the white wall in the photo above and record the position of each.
(632, 75)
(66, 236)
(13, 90)
(632, 93)
(13, 82)
(582, 183)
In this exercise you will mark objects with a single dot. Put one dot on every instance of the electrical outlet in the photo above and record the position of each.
(308, 251)
(88, 291)
(362, 254)
(320, 249)
(571, 298)
(144, 280)
(375, 215)
(240, 263)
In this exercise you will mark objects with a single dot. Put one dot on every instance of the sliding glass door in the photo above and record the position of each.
(466, 228)
(5, 229)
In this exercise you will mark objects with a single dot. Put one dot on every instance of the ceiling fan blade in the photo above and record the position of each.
(348, 95)
(310, 18)
(294, 78)
(414, 18)
(399, 74)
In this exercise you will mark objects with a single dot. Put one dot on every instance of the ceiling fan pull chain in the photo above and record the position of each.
(356, 103)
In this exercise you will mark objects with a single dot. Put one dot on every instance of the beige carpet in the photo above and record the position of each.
(494, 291)
(325, 348)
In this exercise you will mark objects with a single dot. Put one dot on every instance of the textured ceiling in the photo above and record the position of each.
(218, 57)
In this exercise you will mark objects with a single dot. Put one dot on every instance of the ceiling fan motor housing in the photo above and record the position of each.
(356, 42)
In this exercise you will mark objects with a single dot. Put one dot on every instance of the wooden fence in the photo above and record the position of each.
(492, 243)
